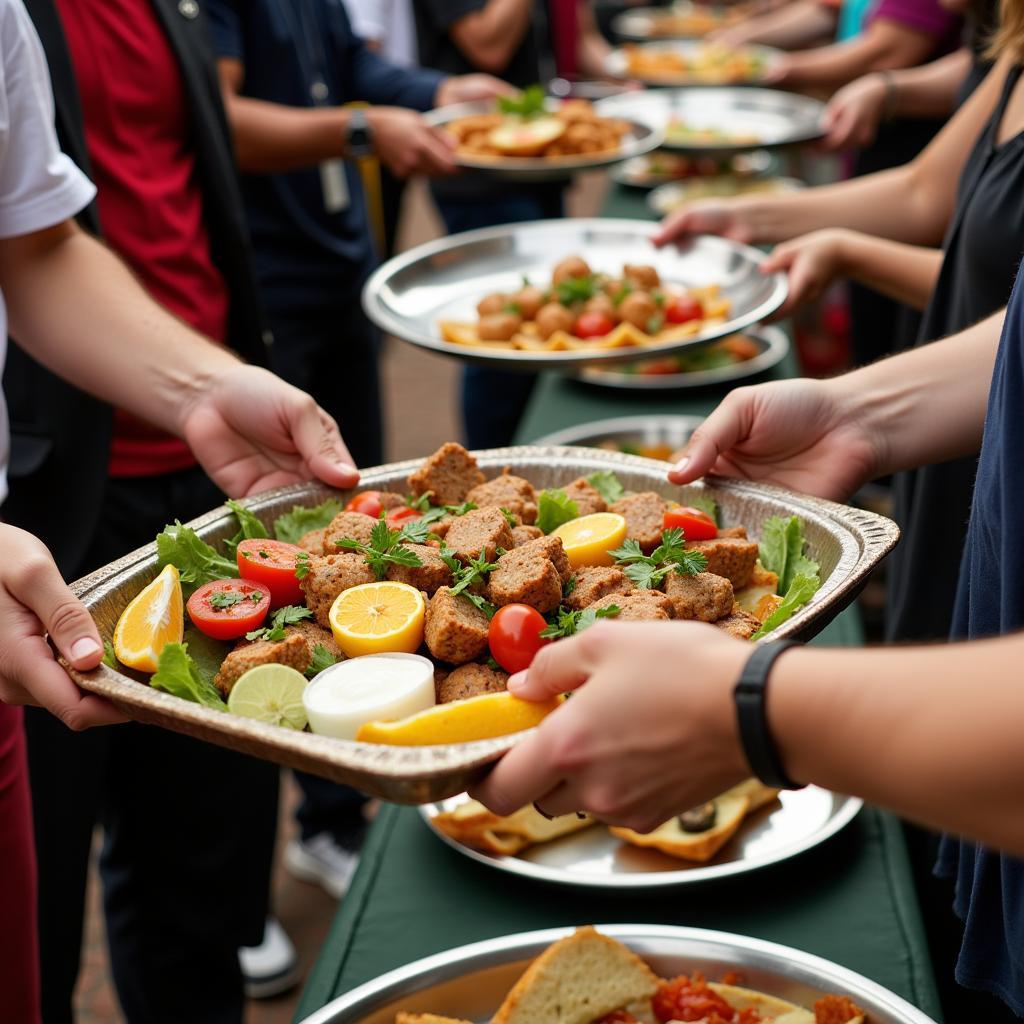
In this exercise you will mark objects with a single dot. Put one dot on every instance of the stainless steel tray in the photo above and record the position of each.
(667, 198)
(772, 341)
(594, 858)
(617, 64)
(471, 981)
(641, 138)
(637, 172)
(775, 118)
(640, 24)
(445, 279)
(847, 542)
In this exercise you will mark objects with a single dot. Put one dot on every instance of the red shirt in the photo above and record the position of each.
(137, 131)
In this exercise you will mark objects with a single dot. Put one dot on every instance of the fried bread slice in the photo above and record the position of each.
(473, 825)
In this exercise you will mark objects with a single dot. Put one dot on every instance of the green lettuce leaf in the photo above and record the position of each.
(608, 484)
(801, 590)
(177, 674)
(554, 508)
(293, 525)
(782, 551)
(249, 527)
(196, 561)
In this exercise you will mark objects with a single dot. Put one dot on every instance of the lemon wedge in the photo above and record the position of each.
(378, 618)
(589, 539)
(154, 618)
(461, 721)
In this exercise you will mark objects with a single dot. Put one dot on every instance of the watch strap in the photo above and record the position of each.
(750, 695)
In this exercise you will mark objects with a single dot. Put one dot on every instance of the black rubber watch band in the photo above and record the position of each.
(753, 722)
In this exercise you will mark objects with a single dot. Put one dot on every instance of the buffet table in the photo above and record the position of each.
(850, 900)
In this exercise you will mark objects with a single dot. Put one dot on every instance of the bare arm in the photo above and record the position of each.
(931, 89)
(592, 48)
(488, 38)
(798, 24)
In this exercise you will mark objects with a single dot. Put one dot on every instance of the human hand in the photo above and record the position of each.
(854, 113)
(649, 733)
(251, 431)
(407, 145)
(467, 88)
(813, 262)
(729, 218)
(34, 602)
(806, 435)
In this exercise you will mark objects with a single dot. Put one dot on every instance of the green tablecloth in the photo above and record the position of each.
(851, 901)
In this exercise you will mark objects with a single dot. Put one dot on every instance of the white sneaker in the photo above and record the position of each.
(323, 861)
(272, 967)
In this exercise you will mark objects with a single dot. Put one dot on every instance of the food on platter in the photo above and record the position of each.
(691, 21)
(696, 835)
(590, 978)
(681, 133)
(708, 64)
(582, 309)
(663, 166)
(727, 352)
(528, 127)
(414, 607)
(670, 197)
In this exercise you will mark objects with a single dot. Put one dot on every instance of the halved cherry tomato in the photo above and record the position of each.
(396, 518)
(593, 324)
(272, 563)
(683, 308)
(696, 525)
(228, 609)
(368, 503)
(514, 636)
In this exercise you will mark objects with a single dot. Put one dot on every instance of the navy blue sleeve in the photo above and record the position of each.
(225, 27)
(376, 80)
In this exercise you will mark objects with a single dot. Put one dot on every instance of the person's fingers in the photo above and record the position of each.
(318, 441)
(556, 668)
(722, 430)
(525, 773)
(780, 258)
(437, 153)
(675, 226)
(38, 585)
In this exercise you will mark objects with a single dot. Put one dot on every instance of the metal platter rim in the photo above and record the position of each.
(761, 953)
(775, 351)
(568, 437)
(848, 808)
(387, 321)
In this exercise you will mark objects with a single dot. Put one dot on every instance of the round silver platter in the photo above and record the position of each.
(445, 279)
(595, 859)
(641, 24)
(638, 172)
(773, 344)
(666, 199)
(770, 117)
(631, 431)
(641, 138)
(471, 982)
(617, 64)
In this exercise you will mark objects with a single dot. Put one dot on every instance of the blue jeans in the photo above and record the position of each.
(493, 401)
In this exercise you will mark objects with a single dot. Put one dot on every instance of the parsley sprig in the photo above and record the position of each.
(568, 622)
(387, 546)
(286, 616)
(648, 571)
(576, 289)
(223, 599)
(475, 571)
(432, 513)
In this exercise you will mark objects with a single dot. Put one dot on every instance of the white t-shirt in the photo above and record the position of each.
(390, 23)
(39, 185)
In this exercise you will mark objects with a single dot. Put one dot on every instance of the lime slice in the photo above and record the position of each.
(270, 693)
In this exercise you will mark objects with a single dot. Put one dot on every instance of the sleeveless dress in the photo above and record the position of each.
(983, 247)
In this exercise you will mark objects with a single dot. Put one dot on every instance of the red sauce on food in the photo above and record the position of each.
(690, 999)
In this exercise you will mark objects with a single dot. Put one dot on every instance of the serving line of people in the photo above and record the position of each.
(285, 72)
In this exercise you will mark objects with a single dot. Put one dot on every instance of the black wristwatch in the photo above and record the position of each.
(358, 136)
(755, 737)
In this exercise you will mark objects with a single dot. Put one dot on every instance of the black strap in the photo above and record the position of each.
(750, 696)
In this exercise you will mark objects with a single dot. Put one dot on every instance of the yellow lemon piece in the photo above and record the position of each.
(589, 539)
(377, 618)
(156, 617)
(461, 721)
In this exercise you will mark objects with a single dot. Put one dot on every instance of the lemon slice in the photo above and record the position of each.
(270, 693)
(155, 617)
(461, 721)
(377, 618)
(589, 539)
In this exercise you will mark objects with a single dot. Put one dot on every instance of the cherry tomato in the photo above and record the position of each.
(683, 308)
(696, 525)
(368, 503)
(592, 325)
(228, 609)
(272, 563)
(396, 518)
(514, 636)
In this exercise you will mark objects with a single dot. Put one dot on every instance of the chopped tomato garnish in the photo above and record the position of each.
(836, 1010)
(690, 999)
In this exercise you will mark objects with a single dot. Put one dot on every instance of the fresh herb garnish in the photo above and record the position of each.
(626, 288)
(176, 673)
(195, 560)
(109, 657)
(286, 616)
(322, 658)
(481, 602)
(421, 502)
(473, 572)
(607, 484)
(568, 586)
(249, 527)
(576, 289)
(529, 103)
(555, 507)
(387, 547)
(294, 525)
(654, 324)
(782, 551)
(302, 565)
(801, 590)
(648, 571)
(223, 599)
(509, 517)
(568, 622)
(512, 307)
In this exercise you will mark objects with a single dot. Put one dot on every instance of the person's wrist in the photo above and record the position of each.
(890, 97)
(190, 389)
